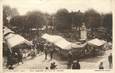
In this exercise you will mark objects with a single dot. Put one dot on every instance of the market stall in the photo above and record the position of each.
(64, 46)
(15, 46)
(14, 41)
(7, 31)
(96, 46)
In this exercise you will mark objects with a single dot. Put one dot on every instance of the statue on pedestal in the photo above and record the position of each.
(83, 32)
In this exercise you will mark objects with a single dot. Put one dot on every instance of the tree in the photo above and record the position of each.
(77, 20)
(107, 22)
(62, 20)
(32, 20)
(19, 24)
(92, 19)
(36, 20)
(8, 13)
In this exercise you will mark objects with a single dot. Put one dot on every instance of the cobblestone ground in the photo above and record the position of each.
(40, 63)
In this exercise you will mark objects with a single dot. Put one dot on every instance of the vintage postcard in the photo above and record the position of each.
(57, 36)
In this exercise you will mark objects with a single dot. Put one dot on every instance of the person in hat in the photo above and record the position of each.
(46, 50)
(46, 68)
(41, 47)
(76, 64)
(101, 65)
(70, 59)
(20, 56)
(110, 60)
(52, 51)
(53, 65)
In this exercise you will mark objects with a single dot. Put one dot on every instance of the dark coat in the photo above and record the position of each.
(110, 58)
(76, 65)
(53, 66)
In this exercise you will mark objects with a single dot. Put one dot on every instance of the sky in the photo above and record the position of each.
(51, 6)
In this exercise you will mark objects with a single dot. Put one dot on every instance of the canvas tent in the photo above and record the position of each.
(97, 46)
(7, 31)
(96, 42)
(16, 40)
(57, 40)
(61, 42)
(12, 39)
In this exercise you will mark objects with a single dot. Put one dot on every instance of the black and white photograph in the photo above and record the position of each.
(57, 34)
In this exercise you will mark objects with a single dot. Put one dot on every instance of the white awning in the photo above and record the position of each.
(12, 39)
(7, 30)
(96, 42)
(15, 40)
(60, 41)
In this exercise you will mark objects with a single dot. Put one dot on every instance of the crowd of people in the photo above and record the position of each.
(45, 48)
(75, 64)
(17, 55)
(14, 57)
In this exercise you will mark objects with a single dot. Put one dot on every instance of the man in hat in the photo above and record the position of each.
(70, 59)
(46, 50)
(53, 65)
(20, 56)
(110, 60)
(41, 47)
(101, 65)
(76, 64)
(52, 51)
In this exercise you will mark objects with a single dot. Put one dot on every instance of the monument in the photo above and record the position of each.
(83, 32)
